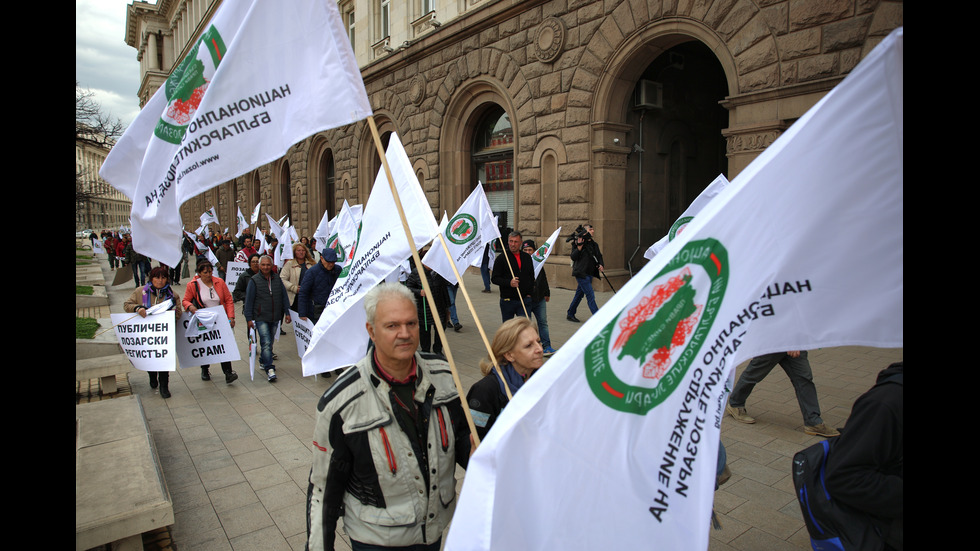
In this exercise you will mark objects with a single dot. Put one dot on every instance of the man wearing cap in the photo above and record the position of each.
(314, 289)
(539, 301)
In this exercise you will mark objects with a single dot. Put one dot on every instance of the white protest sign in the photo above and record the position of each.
(214, 346)
(235, 269)
(253, 351)
(97, 247)
(149, 341)
(303, 330)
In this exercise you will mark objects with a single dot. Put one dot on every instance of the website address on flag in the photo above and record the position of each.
(195, 166)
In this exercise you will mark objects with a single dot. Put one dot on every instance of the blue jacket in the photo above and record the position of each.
(315, 287)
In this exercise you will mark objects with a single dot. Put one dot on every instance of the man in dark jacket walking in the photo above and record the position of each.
(265, 304)
(586, 264)
(317, 283)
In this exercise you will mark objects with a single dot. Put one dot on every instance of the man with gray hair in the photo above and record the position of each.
(266, 302)
(389, 433)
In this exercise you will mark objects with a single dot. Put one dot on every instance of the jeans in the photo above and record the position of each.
(584, 289)
(540, 311)
(264, 330)
(452, 304)
(485, 272)
(800, 374)
(512, 308)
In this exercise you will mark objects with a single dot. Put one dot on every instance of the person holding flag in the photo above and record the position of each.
(513, 272)
(389, 434)
(518, 352)
(539, 302)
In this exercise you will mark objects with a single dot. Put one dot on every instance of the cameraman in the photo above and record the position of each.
(586, 264)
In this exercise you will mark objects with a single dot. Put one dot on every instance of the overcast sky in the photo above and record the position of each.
(104, 63)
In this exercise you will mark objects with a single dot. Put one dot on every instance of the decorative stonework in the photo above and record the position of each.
(416, 90)
(549, 40)
(751, 142)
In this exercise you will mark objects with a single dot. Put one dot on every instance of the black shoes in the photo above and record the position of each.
(570, 317)
(458, 327)
(205, 374)
(230, 377)
(164, 392)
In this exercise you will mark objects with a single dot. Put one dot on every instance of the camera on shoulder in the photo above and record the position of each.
(580, 232)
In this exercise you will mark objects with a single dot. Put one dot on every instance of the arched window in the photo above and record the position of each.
(493, 162)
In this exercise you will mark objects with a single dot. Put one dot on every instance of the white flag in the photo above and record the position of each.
(544, 251)
(263, 76)
(465, 235)
(709, 193)
(322, 231)
(242, 223)
(209, 216)
(339, 337)
(274, 227)
(255, 212)
(343, 235)
(804, 249)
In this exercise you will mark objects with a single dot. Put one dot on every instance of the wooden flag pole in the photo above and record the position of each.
(476, 318)
(512, 276)
(440, 329)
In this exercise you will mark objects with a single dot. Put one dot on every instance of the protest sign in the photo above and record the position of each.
(210, 347)
(147, 342)
(303, 330)
(235, 269)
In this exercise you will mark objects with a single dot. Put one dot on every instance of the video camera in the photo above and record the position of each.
(582, 232)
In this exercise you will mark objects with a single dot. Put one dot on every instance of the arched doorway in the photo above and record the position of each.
(632, 204)
(675, 140)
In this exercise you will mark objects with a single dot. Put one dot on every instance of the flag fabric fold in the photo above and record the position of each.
(803, 249)
(262, 76)
(339, 337)
(703, 198)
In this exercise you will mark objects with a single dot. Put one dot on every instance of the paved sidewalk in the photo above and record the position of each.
(236, 457)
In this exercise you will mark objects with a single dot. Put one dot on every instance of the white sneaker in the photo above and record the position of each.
(272, 374)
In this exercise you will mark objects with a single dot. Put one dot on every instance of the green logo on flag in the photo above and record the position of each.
(186, 86)
(678, 227)
(541, 253)
(660, 332)
(461, 229)
(334, 243)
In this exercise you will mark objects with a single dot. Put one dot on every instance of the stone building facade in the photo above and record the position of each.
(615, 113)
(103, 206)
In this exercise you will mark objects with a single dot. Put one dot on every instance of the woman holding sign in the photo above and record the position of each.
(205, 291)
(156, 291)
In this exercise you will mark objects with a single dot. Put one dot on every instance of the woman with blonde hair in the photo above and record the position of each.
(293, 271)
(519, 354)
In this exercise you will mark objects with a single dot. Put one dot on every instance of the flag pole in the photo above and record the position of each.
(440, 329)
(512, 276)
(476, 319)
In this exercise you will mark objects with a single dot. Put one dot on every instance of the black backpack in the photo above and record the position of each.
(832, 526)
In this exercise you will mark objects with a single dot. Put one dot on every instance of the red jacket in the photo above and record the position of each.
(220, 287)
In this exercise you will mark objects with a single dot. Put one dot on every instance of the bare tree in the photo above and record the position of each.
(92, 124)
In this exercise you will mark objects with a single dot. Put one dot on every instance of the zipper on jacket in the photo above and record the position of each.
(442, 430)
(389, 453)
